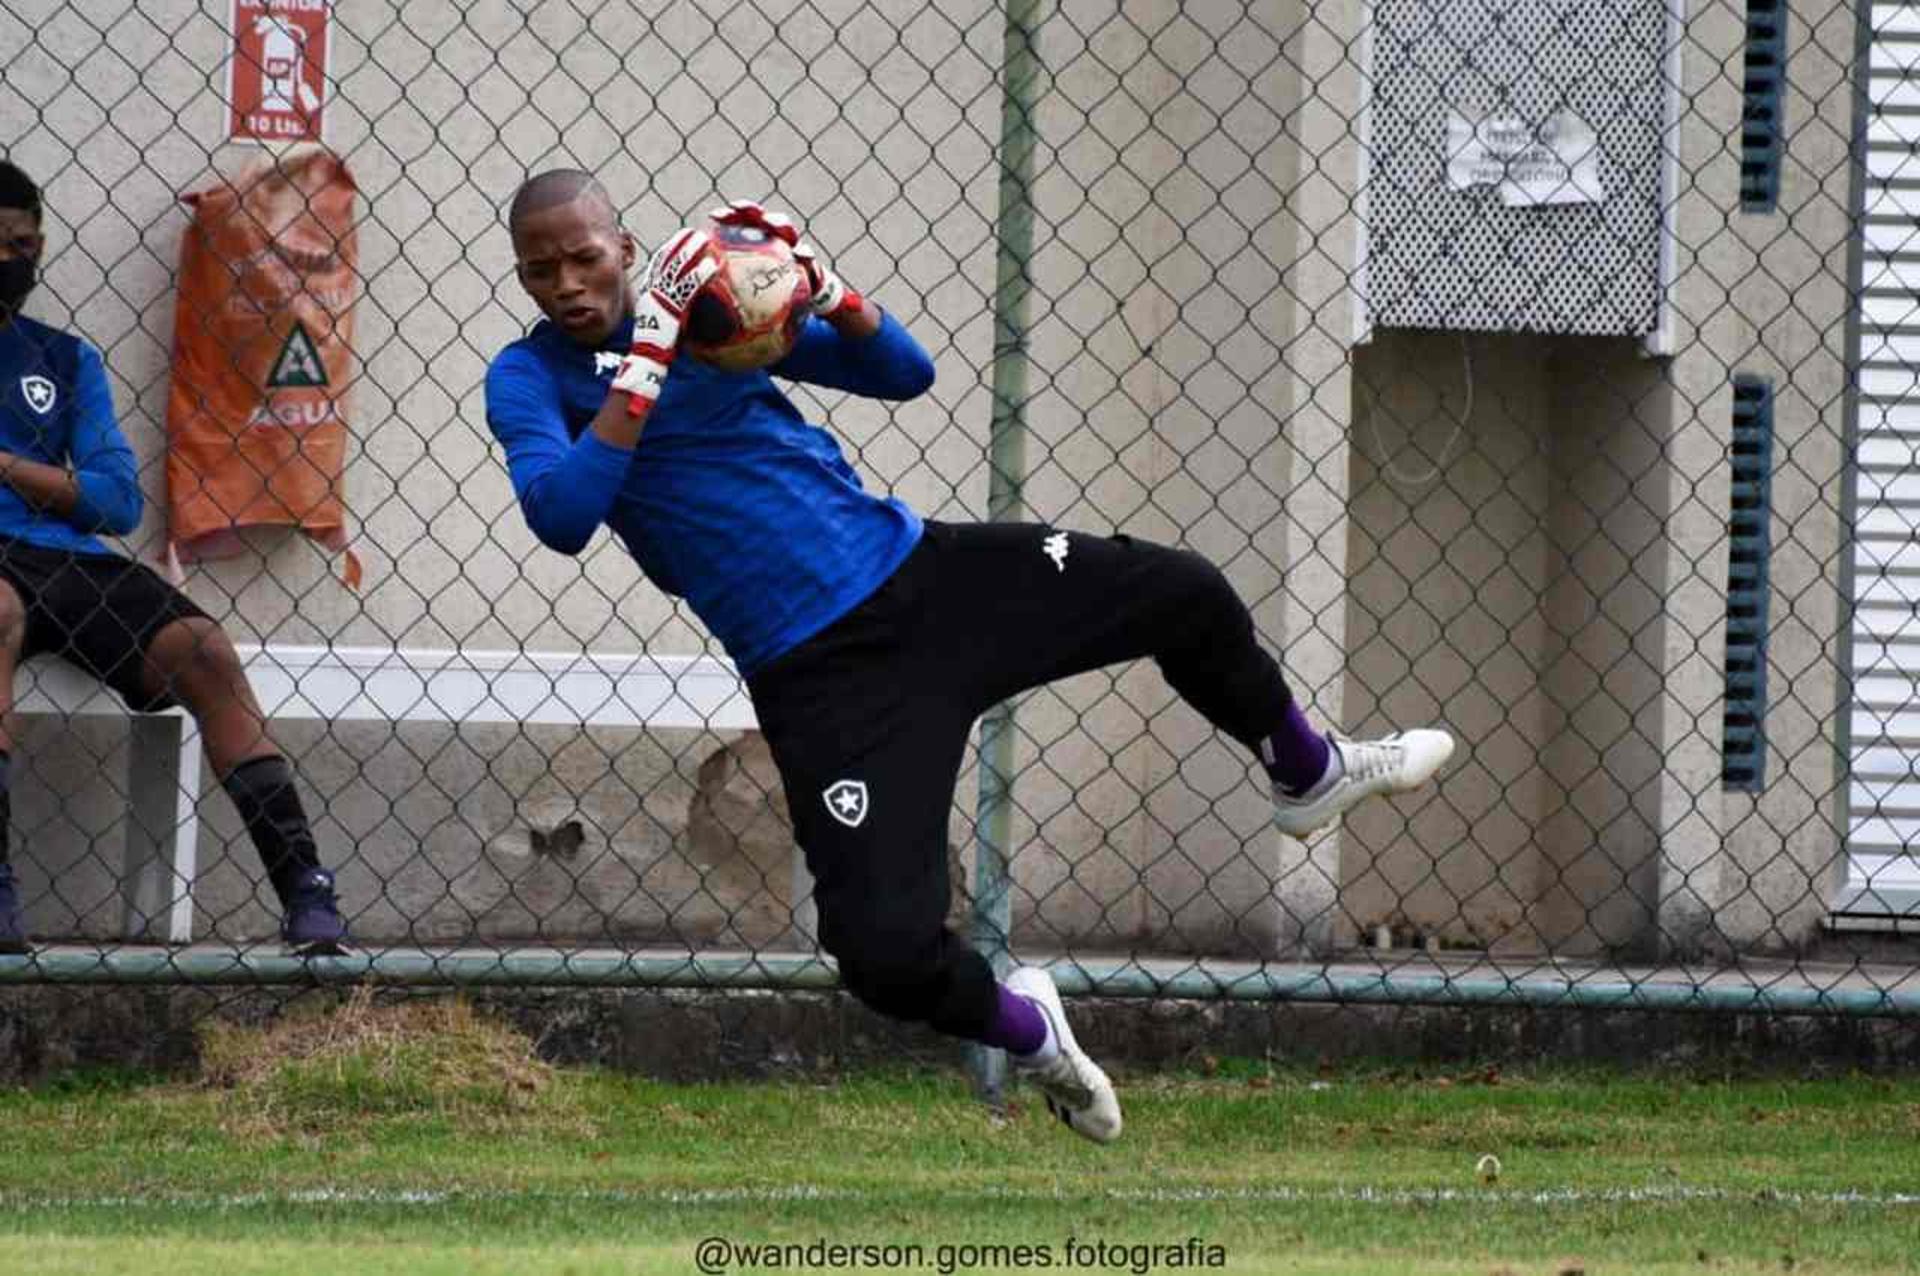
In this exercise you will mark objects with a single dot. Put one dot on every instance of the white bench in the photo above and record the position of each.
(374, 684)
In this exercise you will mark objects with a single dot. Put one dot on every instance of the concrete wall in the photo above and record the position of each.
(1548, 576)
(1446, 617)
(440, 110)
(1608, 630)
(1509, 549)
(1160, 347)
(1191, 386)
(1766, 294)
(1542, 569)
(1785, 851)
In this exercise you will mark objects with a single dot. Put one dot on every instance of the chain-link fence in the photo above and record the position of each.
(1424, 319)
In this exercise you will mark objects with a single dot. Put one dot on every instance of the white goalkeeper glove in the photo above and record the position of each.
(674, 274)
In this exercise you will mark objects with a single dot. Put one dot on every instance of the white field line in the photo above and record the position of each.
(1392, 1197)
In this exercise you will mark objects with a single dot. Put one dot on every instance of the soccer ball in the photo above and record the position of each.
(749, 314)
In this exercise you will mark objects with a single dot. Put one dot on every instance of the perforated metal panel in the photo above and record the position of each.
(1446, 258)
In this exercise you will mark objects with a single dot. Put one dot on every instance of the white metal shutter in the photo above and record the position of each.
(1883, 827)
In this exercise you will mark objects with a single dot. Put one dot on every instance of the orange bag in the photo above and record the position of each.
(263, 358)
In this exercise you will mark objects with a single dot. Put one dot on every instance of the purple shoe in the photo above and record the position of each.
(313, 926)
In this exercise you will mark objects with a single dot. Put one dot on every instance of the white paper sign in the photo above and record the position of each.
(1557, 162)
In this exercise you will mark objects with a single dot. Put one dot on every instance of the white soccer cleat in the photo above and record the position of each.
(1076, 1090)
(1392, 764)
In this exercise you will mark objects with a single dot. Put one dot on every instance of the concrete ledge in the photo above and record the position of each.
(688, 1034)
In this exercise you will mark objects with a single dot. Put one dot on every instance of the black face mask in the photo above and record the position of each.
(17, 277)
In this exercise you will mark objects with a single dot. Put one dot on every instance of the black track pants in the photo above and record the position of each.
(869, 720)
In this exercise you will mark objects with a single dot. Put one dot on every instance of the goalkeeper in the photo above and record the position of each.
(869, 638)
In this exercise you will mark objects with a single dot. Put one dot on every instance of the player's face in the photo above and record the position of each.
(573, 261)
(19, 235)
(20, 246)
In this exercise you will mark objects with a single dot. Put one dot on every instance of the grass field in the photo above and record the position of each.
(431, 1142)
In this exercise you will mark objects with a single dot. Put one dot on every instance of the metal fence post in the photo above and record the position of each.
(993, 818)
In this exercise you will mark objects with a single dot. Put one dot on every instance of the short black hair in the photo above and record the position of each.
(17, 189)
(554, 187)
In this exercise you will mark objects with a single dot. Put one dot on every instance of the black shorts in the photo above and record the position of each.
(99, 611)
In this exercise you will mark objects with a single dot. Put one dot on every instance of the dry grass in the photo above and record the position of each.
(361, 1058)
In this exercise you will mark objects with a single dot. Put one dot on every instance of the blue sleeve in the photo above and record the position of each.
(890, 364)
(105, 474)
(566, 488)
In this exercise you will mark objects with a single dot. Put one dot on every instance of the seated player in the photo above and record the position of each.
(870, 639)
(67, 473)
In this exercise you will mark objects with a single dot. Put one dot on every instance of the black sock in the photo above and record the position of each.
(262, 791)
(6, 801)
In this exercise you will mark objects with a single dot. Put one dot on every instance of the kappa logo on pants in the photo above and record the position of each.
(847, 802)
(1055, 547)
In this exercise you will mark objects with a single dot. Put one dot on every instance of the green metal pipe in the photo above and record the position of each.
(1006, 480)
(418, 968)
(1199, 981)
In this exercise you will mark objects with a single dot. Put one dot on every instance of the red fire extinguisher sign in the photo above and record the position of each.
(277, 76)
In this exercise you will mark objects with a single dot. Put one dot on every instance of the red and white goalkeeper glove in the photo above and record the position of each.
(674, 274)
(830, 296)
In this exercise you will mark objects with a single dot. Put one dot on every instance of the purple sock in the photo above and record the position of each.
(1295, 755)
(1018, 1027)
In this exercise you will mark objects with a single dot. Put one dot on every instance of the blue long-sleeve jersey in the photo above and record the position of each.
(731, 500)
(56, 408)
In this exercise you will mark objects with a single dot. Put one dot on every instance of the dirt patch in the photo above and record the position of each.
(363, 1058)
